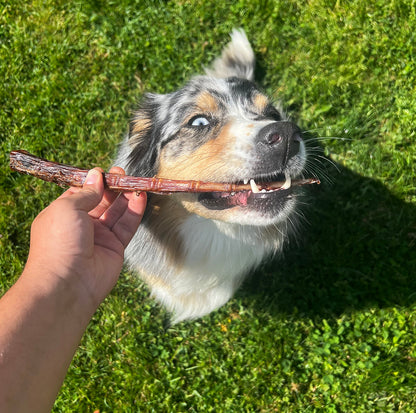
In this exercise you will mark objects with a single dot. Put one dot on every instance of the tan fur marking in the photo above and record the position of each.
(189, 202)
(206, 102)
(140, 125)
(210, 161)
(260, 101)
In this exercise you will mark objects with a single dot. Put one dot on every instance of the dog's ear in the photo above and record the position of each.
(142, 160)
(237, 59)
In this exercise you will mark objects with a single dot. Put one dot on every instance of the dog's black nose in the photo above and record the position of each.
(280, 138)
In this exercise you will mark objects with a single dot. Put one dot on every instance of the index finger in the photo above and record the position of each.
(109, 196)
(129, 217)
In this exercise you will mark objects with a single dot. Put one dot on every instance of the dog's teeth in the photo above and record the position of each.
(288, 182)
(254, 188)
(232, 193)
(245, 181)
(263, 191)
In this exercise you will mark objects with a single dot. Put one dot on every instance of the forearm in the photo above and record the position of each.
(76, 254)
(42, 321)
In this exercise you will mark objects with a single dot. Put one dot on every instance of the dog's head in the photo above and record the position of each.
(221, 128)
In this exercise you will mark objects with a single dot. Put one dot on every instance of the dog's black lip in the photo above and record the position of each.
(260, 201)
(250, 200)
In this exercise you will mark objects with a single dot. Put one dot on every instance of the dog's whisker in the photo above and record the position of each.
(326, 138)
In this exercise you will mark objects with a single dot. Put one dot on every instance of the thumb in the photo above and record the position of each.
(92, 191)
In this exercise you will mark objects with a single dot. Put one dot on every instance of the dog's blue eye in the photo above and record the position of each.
(199, 121)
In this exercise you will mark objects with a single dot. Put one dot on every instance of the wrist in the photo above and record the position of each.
(62, 293)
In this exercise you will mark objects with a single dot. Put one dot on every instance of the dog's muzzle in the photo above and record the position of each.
(277, 145)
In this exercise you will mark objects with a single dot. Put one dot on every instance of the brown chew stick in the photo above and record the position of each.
(65, 175)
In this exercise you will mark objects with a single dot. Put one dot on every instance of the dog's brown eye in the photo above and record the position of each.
(199, 121)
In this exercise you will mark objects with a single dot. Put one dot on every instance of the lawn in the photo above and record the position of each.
(329, 327)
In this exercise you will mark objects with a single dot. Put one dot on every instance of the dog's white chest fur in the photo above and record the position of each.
(213, 259)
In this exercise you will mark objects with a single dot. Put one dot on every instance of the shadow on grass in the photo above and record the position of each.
(357, 251)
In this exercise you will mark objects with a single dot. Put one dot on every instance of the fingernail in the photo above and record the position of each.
(92, 177)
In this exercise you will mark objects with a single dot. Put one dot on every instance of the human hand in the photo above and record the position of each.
(76, 254)
(78, 241)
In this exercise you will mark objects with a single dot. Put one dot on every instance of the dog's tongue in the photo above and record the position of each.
(240, 198)
(234, 198)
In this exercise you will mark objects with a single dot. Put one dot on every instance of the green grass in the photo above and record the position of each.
(329, 327)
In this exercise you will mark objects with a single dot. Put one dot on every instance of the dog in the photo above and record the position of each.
(194, 250)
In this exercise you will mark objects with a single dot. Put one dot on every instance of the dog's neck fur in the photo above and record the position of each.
(174, 249)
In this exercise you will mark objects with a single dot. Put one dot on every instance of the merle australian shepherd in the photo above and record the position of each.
(194, 250)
